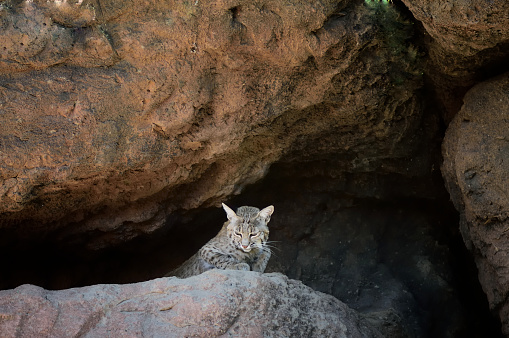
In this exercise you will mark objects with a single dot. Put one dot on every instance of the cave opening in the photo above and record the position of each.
(386, 252)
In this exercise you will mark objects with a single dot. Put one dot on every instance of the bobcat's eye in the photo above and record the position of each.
(238, 234)
(254, 235)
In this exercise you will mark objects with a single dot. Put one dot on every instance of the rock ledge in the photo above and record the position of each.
(216, 303)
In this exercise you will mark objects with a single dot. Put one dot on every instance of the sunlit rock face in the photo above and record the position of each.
(115, 114)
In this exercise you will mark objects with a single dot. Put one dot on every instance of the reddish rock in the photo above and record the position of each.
(214, 304)
(116, 114)
(463, 27)
(466, 41)
(476, 153)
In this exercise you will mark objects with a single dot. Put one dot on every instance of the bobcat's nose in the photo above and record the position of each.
(245, 246)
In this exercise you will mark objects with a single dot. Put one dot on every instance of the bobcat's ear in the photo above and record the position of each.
(229, 212)
(266, 213)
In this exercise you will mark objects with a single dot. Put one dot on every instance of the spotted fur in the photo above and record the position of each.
(240, 245)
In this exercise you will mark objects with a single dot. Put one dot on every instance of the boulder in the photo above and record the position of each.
(463, 27)
(465, 43)
(475, 167)
(217, 303)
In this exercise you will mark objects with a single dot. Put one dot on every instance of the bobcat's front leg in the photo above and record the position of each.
(220, 260)
(261, 262)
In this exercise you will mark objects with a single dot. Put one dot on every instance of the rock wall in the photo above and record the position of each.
(116, 115)
(476, 152)
(469, 42)
(466, 42)
(215, 304)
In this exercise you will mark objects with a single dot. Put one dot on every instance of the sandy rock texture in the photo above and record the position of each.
(475, 167)
(114, 114)
(214, 304)
(466, 41)
(463, 27)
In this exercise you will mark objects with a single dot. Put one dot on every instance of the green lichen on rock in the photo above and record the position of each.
(396, 31)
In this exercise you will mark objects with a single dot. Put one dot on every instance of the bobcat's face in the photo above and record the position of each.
(248, 227)
(245, 236)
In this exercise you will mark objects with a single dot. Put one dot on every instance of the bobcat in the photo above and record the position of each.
(240, 245)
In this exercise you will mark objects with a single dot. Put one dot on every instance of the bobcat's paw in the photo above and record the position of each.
(257, 268)
(241, 266)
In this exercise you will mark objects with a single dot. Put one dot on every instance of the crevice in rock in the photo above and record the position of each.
(234, 11)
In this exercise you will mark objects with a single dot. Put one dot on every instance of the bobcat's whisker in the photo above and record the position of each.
(272, 246)
(272, 252)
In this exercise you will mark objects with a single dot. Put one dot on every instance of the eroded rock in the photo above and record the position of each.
(475, 167)
(466, 41)
(465, 27)
(116, 114)
(214, 304)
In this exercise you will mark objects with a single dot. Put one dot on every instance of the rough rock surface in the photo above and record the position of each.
(465, 42)
(463, 27)
(116, 114)
(475, 167)
(214, 304)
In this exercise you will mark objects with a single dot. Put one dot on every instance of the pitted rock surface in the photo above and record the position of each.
(115, 114)
(217, 303)
(476, 153)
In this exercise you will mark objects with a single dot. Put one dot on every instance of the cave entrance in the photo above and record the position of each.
(384, 250)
